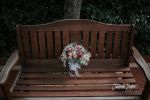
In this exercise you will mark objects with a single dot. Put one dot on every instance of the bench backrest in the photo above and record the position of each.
(106, 42)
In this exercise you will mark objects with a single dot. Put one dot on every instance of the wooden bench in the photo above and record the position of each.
(42, 74)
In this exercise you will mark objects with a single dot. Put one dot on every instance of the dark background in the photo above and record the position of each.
(14, 12)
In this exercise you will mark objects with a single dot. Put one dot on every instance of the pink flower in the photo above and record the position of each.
(69, 49)
(75, 56)
(70, 54)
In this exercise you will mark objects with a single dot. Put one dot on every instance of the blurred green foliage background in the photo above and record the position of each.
(14, 12)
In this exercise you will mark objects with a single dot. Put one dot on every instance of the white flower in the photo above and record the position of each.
(86, 57)
(74, 52)
(83, 62)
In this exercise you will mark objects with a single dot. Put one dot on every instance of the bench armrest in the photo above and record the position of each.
(141, 62)
(12, 60)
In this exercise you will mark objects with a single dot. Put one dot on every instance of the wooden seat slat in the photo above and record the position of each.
(73, 81)
(76, 93)
(90, 69)
(62, 67)
(66, 88)
(93, 62)
(87, 75)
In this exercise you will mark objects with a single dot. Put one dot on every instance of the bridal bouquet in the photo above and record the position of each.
(75, 55)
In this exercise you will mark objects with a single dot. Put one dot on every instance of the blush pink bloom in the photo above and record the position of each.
(75, 56)
(70, 54)
(69, 49)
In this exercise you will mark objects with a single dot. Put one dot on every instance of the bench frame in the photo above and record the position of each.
(15, 58)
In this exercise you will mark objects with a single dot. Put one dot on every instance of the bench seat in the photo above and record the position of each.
(44, 81)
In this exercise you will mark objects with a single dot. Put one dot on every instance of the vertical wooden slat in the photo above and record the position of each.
(101, 44)
(93, 43)
(130, 40)
(75, 36)
(65, 36)
(109, 45)
(49, 43)
(57, 36)
(20, 42)
(124, 44)
(26, 44)
(86, 39)
(116, 45)
(42, 46)
(34, 44)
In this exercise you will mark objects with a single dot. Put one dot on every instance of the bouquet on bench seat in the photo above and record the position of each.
(73, 56)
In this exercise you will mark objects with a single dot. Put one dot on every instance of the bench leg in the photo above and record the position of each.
(146, 92)
(5, 89)
(6, 93)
